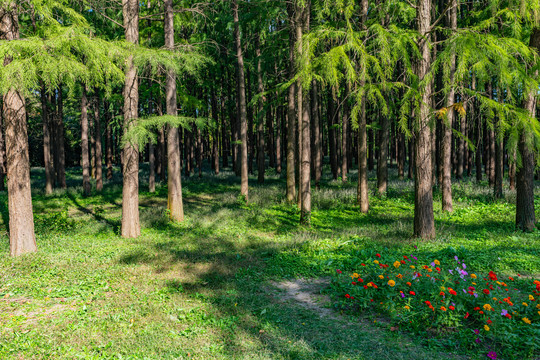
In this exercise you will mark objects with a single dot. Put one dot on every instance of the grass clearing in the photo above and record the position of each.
(209, 288)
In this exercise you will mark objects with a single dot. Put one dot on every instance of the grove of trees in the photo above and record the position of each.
(441, 89)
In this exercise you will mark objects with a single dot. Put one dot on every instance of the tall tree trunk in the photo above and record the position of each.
(316, 126)
(305, 177)
(332, 141)
(215, 140)
(424, 223)
(446, 153)
(525, 216)
(109, 141)
(291, 109)
(174, 180)
(21, 218)
(251, 145)
(345, 136)
(131, 227)
(382, 161)
(47, 150)
(242, 103)
(278, 138)
(2, 148)
(362, 197)
(260, 120)
(85, 153)
(60, 159)
(99, 152)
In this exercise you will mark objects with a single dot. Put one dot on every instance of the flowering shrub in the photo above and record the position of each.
(487, 310)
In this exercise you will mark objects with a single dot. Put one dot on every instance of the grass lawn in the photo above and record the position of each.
(218, 286)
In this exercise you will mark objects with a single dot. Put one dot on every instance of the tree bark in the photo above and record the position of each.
(2, 148)
(382, 160)
(98, 151)
(525, 215)
(291, 110)
(316, 126)
(47, 149)
(332, 141)
(305, 155)
(131, 227)
(345, 136)
(21, 218)
(424, 223)
(260, 120)
(85, 153)
(174, 180)
(362, 197)
(242, 104)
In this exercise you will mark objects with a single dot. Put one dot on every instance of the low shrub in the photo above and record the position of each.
(437, 297)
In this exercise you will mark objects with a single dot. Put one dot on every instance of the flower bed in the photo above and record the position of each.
(494, 314)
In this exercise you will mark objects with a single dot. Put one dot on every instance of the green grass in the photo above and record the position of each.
(205, 288)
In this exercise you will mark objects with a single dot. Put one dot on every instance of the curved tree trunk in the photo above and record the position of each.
(131, 227)
(21, 218)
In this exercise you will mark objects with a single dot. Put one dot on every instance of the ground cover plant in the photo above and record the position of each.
(209, 287)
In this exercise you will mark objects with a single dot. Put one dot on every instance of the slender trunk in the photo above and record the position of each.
(278, 139)
(424, 224)
(47, 150)
(215, 139)
(525, 216)
(305, 177)
(345, 137)
(242, 104)
(512, 169)
(2, 148)
(60, 159)
(332, 141)
(130, 192)
(251, 145)
(270, 129)
(109, 142)
(382, 161)
(362, 197)
(99, 153)
(85, 154)
(175, 204)
(291, 110)
(260, 120)
(316, 126)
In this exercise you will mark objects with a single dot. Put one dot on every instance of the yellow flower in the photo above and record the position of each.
(498, 283)
(399, 276)
(473, 276)
(369, 284)
(412, 266)
(539, 313)
(443, 288)
(538, 306)
(486, 327)
(376, 261)
(407, 307)
(524, 304)
(474, 283)
(437, 262)
(487, 307)
(429, 270)
(381, 277)
(392, 283)
(531, 297)
(495, 299)
(355, 275)
(397, 264)
(526, 320)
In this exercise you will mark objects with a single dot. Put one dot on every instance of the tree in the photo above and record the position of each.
(131, 227)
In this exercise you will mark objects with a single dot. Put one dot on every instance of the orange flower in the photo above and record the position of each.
(443, 308)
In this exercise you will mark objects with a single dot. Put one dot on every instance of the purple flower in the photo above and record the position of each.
(475, 295)
(464, 266)
(492, 355)
(416, 247)
(477, 331)
(402, 295)
(477, 341)
(451, 272)
(504, 312)
(457, 259)
(465, 291)
(464, 272)
(432, 264)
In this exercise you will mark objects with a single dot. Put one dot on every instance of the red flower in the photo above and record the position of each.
(372, 300)
(441, 293)
(438, 269)
(353, 283)
(451, 307)
(338, 271)
(471, 288)
(492, 276)
(476, 308)
(365, 287)
(403, 261)
(378, 255)
(508, 316)
(452, 291)
(427, 302)
(489, 322)
(363, 264)
(485, 291)
(467, 315)
(360, 280)
(481, 312)
(405, 257)
(412, 293)
(347, 296)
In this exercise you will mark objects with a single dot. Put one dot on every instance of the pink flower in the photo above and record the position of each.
(492, 355)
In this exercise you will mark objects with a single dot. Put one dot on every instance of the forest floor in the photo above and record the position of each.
(233, 281)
